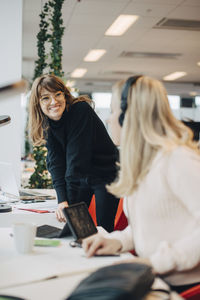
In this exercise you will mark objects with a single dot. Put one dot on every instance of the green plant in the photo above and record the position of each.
(51, 32)
(40, 178)
(42, 38)
(56, 38)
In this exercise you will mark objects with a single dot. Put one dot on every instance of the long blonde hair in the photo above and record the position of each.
(38, 122)
(149, 126)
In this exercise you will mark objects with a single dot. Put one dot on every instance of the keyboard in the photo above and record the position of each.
(25, 193)
(33, 195)
(47, 231)
(50, 232)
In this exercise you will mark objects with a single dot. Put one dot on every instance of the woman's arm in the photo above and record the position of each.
(101, 245)
(110, 243)
(56, 165)
(125, 237)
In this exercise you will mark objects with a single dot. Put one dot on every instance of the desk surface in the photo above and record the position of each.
(21, 272)
(28, 276)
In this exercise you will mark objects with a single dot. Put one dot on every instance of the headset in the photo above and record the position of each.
(130, 81)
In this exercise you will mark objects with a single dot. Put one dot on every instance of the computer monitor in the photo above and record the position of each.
(187, 102)
(195, 126)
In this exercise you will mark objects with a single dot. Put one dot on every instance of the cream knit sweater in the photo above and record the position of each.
(164, 217)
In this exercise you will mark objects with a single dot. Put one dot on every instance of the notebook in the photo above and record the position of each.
(8, 184)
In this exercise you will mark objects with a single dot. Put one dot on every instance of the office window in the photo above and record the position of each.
(102, 100)
(102, 106)
(197, 101)
(75, 94)
(174, 101)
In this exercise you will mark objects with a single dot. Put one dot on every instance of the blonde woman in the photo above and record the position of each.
(81, 156)
(160, 178)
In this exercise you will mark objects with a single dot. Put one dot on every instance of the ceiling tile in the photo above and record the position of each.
(186, 12)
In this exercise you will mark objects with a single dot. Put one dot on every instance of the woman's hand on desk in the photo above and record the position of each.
(59, 213)
(99, 245)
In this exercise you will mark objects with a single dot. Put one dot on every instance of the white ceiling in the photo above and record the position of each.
(85, 23)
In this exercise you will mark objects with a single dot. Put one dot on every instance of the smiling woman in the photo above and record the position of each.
(53, 104)
(81, 156)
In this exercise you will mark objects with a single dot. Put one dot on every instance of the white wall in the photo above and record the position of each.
(10, 135)
(11, 40)
(10, 72)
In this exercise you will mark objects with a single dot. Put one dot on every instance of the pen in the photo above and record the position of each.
(36, 210)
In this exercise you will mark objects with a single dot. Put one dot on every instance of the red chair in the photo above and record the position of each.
(192, 293)
(92, 210)
(120, 218)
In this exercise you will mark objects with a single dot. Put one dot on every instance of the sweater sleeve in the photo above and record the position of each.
(125, 237)
(79, 140)
(56, 166)
(183, 176)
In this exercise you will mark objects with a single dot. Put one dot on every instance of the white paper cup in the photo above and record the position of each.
(24, 237)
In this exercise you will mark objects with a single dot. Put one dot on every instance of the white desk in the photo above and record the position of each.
(7, 219)
(28, 276)
(20, 274)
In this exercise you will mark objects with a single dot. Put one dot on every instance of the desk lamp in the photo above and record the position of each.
(3, 121)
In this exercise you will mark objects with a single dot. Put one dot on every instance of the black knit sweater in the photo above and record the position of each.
(79, 146)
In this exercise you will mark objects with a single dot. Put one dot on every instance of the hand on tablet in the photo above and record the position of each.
(99, 245)
(59, 212)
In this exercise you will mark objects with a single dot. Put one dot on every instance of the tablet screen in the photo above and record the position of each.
(79, 220)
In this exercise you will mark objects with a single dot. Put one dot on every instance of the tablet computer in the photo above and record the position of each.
(80, 221)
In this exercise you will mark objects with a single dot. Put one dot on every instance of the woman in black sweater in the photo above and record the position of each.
(81, 156)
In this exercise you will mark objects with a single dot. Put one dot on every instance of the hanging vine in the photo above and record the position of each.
(51, 32)
(56, 38)
(42, 38)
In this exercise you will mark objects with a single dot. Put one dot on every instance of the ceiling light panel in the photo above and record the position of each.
(94, 55)
(121, 25)
(174, 76)
(77, 73)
